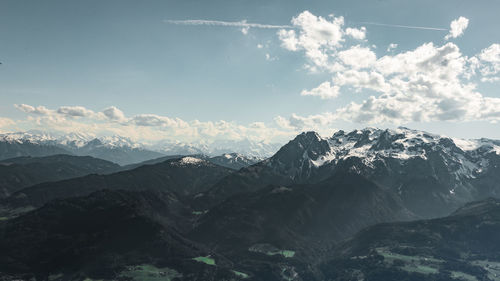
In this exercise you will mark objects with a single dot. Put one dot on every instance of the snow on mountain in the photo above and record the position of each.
(189, 161)
(414, 164)
(244, 147)
(372, 144)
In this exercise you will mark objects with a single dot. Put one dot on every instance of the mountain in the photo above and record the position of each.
(249, 148)
(108, 235)
(306, 219)
(122, 150)
(433, 175)
(21, 172)
(116, 149)
(233, 161)
(15, 146)
(462, 246)
(184, 176)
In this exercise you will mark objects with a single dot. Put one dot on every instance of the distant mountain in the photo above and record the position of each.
(462, 246)
(21, 172)
(184, 176)
(233, 161)
(432, 175)
(122, 150)
(115, 149)
(245, 147)
(120, 153)
(11, 147)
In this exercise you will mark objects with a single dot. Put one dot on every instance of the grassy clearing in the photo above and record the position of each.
(240, 274)
(492, 267)
(270, 250)
(148, 272)
(287, 253)
(462, 276)
(419, 264)
(390, 256)
(207, 260)
(424, 269)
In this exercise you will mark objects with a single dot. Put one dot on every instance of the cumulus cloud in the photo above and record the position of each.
(40, 110)
(325, 91)
(113, 113)
(5, 122)
(75, 111)
(428, 83)
(356, 33)
(488, 63)
(357, 57)
(317, 36)
(457, 28)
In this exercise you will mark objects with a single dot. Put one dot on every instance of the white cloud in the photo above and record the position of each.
(491, 54)
(75, 111)
(359, 34)
(429, 83)
(145, 127)
(113, 113)
(317, 36)
(487, 62)
(391, 47)
(260, 46)
(457, 28)
(270, 58)
(40, 110)
(357, 57)
(325, 91)
(5, 123)
(360, 80)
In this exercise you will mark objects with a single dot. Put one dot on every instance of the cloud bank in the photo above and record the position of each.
(143, 127)
(429, 83)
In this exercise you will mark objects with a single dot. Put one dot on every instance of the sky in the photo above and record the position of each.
(263, 70)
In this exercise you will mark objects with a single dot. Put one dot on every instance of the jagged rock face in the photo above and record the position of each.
(432, 174)
(295, 159)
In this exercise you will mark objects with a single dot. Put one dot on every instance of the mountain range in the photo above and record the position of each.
(121, 150)
(369, 204)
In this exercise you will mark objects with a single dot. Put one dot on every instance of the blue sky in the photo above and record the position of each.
(181, 80)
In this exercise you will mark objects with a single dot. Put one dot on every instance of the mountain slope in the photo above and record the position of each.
(462, 246)
(116, 149)
(108, 235)
(306, 218)
(183, 176)
(233, 161)
(21, 172)
(122, 153)
(18, 149)
(431, 174)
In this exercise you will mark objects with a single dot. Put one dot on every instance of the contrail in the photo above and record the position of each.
(243, 24)
(403, 26)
